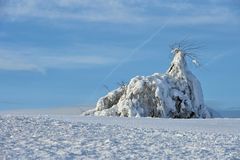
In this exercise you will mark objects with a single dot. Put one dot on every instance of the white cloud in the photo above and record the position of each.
(119, 11)
(86, 10)
(16, 63)
(12, 60)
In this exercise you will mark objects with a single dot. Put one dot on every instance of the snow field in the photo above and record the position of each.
(59, 137)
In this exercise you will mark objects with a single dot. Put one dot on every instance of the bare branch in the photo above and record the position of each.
(188, 48)
(123, 86)
(106, 87)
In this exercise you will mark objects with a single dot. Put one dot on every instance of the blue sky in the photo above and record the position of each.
(62, 52)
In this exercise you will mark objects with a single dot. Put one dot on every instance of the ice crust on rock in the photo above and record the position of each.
(175, 94)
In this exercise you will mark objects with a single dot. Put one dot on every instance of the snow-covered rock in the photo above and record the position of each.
(175, 94)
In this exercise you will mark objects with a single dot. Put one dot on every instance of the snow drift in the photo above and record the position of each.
(175, 94)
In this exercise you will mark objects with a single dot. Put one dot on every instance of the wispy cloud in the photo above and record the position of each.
(12, 60)
(215, 58)
(85, 10)
(118, 11)
(220, 56)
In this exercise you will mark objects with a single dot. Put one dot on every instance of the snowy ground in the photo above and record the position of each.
(76, 137)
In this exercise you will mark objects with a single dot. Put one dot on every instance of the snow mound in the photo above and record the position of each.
(175, 94)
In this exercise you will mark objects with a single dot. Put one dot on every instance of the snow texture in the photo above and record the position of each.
(175, 94)
(61, 137)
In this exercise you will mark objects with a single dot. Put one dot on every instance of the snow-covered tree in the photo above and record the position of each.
(175, 94)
